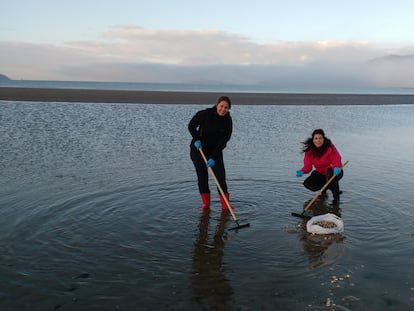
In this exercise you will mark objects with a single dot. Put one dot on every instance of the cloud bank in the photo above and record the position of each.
(128, 53)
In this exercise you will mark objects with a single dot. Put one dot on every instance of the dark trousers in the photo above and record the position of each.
(316, 181)
(202, 172)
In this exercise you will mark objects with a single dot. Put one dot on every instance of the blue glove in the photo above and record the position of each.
(210, 163)
(337, 171)
(197, 144)
(299, 173)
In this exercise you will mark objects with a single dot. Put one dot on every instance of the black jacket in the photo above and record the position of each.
(213, 130)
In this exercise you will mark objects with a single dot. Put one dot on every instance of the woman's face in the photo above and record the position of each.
(318, 140)
(222, 108)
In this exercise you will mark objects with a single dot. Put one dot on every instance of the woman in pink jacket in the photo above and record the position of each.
(322, 155)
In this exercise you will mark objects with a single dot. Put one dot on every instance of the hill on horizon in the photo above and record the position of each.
(4, 77)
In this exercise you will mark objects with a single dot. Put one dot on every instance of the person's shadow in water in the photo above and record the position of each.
(210, 287)
(317, 246)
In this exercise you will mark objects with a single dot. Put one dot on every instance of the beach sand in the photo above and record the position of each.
(172, 97)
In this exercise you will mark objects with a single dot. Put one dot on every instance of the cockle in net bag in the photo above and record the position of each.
(325, 224)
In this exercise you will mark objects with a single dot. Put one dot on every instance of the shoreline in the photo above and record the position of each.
(185, 97)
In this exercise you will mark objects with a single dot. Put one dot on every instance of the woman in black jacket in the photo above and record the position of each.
(211, 129)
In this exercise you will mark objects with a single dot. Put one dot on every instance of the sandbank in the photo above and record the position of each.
(177, 97)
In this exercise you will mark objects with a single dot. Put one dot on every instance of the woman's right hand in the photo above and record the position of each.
(210, 163)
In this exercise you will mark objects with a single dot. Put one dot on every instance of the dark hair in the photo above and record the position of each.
(308, 144)
(224, 98)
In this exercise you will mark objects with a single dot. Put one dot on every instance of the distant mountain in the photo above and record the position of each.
(397, 59)
(4, 78)
(392, 71)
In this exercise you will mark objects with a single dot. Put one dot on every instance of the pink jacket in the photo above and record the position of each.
(330, 159)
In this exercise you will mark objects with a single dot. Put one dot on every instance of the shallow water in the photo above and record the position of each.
(99, 209)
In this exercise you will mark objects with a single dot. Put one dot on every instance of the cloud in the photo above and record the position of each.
(39, 61)
(216, 47)
(129, 53)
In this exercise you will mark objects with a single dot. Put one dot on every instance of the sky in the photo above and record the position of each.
(284, 43)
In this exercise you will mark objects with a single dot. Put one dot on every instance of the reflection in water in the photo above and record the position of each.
(321, 206)
(209, 284)
(316, 245)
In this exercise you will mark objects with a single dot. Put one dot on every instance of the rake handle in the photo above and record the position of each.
(322, 189)
(219, 187)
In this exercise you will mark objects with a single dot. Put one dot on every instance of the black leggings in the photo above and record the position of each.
(317, 180)
(202, 172)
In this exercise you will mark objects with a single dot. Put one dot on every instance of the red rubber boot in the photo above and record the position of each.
(223, 202)
(205, 197)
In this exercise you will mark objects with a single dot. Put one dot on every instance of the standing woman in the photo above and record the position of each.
(211, 129)
(321, 154)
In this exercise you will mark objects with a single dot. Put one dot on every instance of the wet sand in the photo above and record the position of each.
(170, 97)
